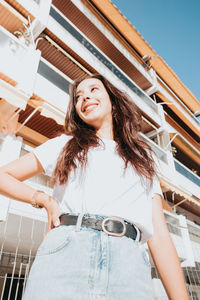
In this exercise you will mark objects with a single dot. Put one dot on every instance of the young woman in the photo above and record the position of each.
(106, 204)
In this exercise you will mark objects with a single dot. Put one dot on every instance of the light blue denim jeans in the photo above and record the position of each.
(85, 264)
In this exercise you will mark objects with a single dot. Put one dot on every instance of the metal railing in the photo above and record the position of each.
(161, 154)
(19, 239)
(191, 272)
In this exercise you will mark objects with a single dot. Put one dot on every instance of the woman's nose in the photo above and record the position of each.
(86, 98)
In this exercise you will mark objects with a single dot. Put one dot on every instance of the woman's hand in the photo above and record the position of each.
(52, 207)
(53, 212)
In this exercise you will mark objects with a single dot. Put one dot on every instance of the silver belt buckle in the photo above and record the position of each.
(114, 219)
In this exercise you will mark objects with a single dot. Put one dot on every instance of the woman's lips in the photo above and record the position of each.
(89, 107)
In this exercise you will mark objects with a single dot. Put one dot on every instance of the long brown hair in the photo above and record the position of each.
(126, 126)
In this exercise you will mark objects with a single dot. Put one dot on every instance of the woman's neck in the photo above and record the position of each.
(105, 132)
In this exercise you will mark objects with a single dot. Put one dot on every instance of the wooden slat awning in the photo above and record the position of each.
(168, 186)
(47, 127)
(82, 22)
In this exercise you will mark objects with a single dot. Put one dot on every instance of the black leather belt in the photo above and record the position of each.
(114, 226)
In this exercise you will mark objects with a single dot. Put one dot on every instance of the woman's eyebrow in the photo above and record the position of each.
(81, 91)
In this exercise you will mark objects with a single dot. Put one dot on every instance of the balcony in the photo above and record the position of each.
(186, 172)
(21, 70)
(37, 8)
(75, 39)
(176, 172)
(51, 84)
(161, 154)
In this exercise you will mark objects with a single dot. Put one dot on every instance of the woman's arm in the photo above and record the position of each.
(13, 173)
(11, 185)
(165, 256)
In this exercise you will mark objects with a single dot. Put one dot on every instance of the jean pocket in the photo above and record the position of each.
(55, 240)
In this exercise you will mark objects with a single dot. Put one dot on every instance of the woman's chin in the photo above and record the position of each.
(91, 118)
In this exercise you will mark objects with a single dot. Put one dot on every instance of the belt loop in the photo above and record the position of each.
(79, 222)
(138, 237)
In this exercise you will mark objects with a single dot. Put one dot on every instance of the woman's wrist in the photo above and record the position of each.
(40, 199)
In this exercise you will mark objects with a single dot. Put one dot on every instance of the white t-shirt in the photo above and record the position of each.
(104, 188)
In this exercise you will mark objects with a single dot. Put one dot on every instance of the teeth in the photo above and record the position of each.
(91, 106)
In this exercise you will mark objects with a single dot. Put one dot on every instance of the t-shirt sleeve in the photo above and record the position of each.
(156, 188)
(48, 152)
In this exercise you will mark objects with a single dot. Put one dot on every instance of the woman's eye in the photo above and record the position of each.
(93, 89)
(78, 98)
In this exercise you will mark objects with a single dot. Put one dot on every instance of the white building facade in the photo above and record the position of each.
(46, 45)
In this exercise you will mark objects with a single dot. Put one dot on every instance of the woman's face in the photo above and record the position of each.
(93, 103)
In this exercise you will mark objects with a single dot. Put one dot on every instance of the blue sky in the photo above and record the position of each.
(172, 28)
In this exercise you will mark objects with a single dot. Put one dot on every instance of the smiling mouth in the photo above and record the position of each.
(89, 107)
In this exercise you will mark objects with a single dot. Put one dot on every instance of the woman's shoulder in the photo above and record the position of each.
(53, 144)
(48, 152)
(60, 139)
(63, 137)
